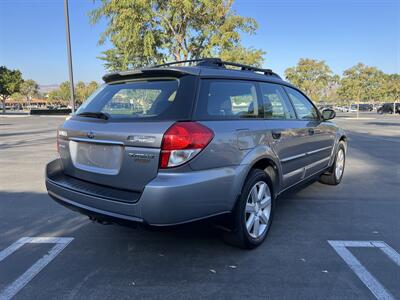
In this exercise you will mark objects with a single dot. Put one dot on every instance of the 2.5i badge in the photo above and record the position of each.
(142, 157)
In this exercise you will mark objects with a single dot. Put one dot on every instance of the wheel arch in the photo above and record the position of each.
(343, 138)
(271, 169)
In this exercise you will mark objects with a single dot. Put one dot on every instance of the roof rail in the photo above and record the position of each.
(217, 62)
(200, 62)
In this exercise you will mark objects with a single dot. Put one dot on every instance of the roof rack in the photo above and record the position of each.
(217, 62)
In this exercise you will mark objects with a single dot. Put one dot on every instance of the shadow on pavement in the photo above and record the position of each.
(384, 123)
(26, 132)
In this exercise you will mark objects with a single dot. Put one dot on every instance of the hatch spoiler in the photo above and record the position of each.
(149, 72)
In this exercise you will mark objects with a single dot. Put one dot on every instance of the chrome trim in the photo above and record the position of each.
(302, 169)
(304, 154)
(300, 181)
(318, 150)
(293, 173)
(85, 140)
(293, 157)
(316, 163)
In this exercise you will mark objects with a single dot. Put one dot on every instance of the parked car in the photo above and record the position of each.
(387, 108)
(342, 108)
(197, 142)
(361, 107)
(365, 107)
(345, 108)
(17, 106)
(353, 108)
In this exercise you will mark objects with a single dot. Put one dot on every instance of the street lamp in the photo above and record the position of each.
(71, 76)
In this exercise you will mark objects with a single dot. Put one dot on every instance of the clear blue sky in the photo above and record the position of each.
(341, 32)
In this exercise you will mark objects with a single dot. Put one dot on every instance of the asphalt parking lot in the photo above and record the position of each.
(192, 261)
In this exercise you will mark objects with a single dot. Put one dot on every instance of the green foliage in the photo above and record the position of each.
(362, 83)
(83, 91)
(145, 32)
(10, 82)
(29, 89)
(359, 83)
(391, 88)
(62, 95)
(314, 77)
(17, 97)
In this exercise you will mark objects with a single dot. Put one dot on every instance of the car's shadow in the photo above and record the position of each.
(384, 123)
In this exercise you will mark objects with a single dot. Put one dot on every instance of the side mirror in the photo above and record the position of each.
(328, 114)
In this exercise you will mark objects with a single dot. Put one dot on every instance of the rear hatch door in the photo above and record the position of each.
(118, 155)
(114, 139)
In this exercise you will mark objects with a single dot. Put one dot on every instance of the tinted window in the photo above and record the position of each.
(227, 99)
(304, 109)
(275, 103)
(144, 99)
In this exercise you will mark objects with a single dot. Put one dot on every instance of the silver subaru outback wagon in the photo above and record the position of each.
(172, 144)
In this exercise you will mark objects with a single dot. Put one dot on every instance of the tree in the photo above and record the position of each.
(62, 94)
(29, 88)
(80, 92)
(362, 82)
(83, 91)
(313, 77)
(391, 88)
(147, 32)
(10, 81)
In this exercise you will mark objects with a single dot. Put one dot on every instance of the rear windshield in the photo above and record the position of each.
(147, 99)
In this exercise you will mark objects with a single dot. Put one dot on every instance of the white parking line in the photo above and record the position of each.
(366, 277)
(21, 281)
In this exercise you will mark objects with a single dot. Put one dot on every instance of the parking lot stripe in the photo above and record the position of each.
(28, 275)
(389, 251)
(11, 249)
(366, 277)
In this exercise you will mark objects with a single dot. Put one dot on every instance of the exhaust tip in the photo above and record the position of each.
(100, 221)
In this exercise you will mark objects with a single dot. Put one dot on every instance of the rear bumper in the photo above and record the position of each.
(169, 199)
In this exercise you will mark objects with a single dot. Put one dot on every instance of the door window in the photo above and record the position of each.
(304, 108)
(275, 104)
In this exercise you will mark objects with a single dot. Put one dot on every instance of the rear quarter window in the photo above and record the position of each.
(227, 99)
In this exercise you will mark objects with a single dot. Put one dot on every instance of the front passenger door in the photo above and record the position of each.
(319, 135)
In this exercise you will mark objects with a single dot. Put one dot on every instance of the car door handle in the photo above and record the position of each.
(276, 135)
(311, 131)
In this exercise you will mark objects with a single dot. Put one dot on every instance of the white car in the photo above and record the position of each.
(353, 108)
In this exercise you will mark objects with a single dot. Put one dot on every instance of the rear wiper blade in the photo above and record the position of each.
(91, 114)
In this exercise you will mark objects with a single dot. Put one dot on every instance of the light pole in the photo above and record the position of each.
(71, 76)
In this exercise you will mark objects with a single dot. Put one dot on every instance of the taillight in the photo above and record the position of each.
(182, 142)
(60, 133)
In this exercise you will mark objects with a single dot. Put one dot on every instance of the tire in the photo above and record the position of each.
(247, 211)
(334, 176)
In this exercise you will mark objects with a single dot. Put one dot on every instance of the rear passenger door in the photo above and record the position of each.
(319, 135)
(286, 133)
(237, 104)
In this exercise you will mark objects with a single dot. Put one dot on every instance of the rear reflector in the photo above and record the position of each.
(182, 142)
(60, 133)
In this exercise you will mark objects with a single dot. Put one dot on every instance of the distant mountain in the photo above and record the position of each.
(46, 88)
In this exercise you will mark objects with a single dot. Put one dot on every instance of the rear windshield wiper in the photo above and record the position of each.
(91, 114)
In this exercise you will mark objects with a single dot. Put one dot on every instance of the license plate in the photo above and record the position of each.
(97, 158)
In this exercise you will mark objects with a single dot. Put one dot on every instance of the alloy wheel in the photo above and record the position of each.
(258, 209)
(339, 164)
